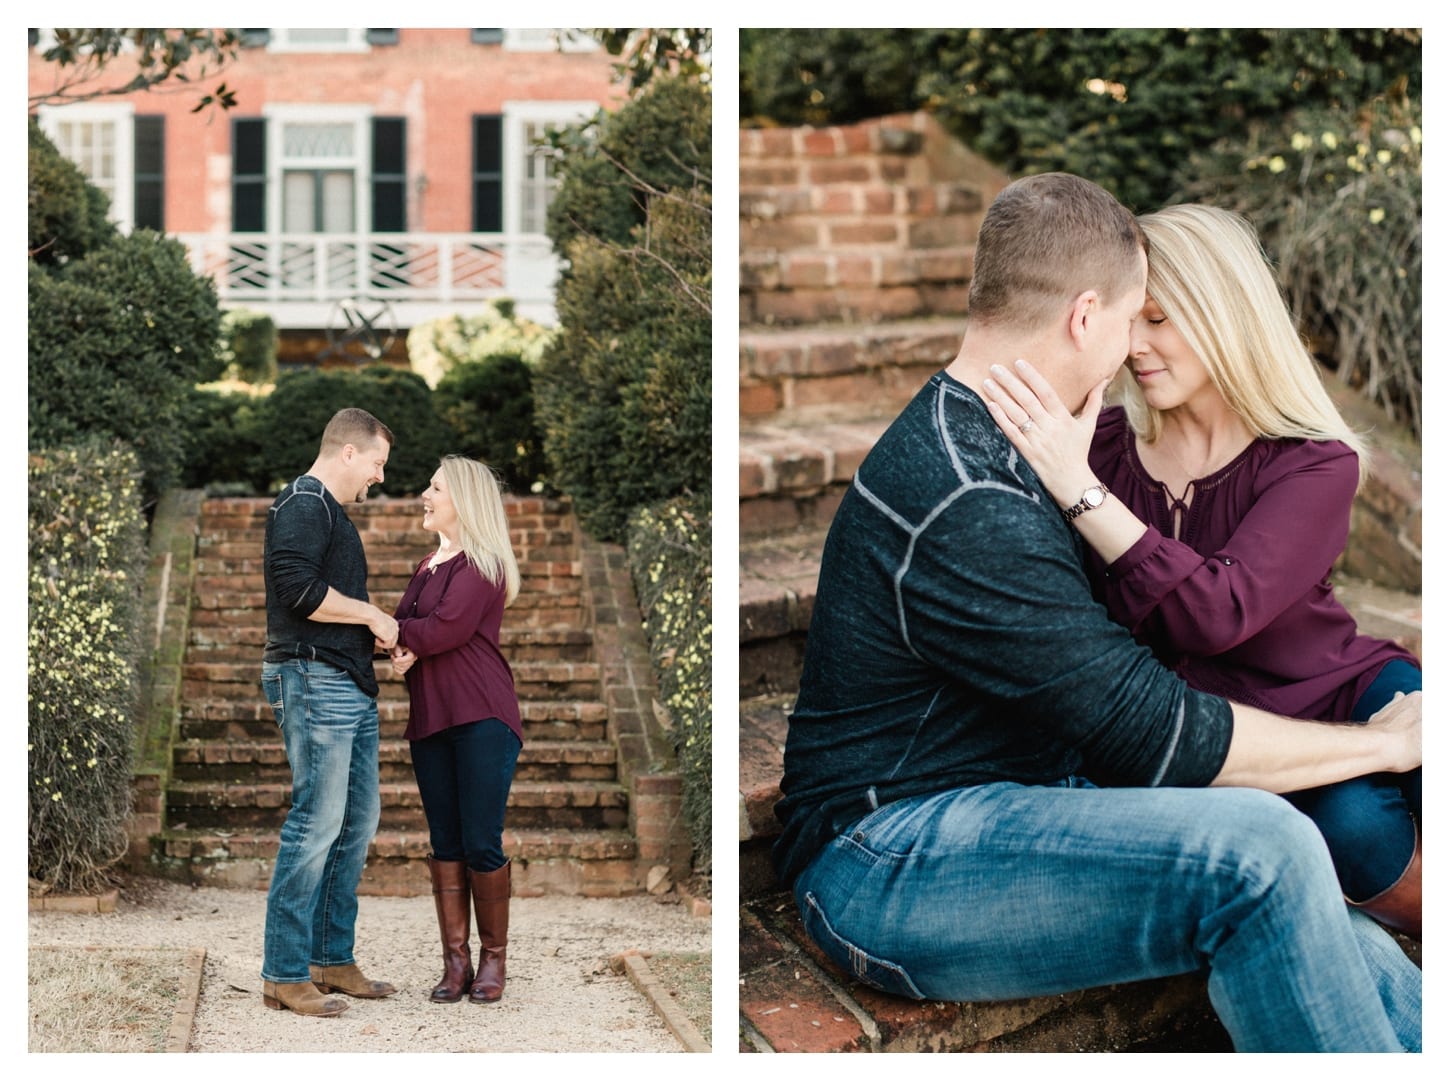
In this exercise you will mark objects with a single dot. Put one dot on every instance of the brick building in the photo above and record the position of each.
(366, 177)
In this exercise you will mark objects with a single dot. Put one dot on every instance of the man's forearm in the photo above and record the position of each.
(1281, 754)
(339, 608)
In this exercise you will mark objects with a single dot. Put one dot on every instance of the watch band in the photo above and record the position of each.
(1085, 504)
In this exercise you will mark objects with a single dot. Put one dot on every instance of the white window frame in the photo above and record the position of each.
(278, 116)
(278, 41)
(121, 116)
(542, 41)
(517, 115)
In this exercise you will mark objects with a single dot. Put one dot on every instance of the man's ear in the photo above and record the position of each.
(1084, 307)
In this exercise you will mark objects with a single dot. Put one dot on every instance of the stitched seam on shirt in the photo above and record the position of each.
(1172, 748)
(292, 495)
(911, 743)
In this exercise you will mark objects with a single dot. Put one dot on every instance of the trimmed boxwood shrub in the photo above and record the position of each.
(116, 338)
(67, 215)
(248, 347)
(221, 445)
(87, 559)
(488, 406)
(289, 423)
(623, 394)
(668, 552)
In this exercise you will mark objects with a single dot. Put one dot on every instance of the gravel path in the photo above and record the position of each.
(561, 994)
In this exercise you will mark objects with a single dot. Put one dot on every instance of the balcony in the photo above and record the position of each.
(300, 279)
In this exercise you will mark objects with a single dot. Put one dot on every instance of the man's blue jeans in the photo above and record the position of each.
(1001, 891)
(330, 729)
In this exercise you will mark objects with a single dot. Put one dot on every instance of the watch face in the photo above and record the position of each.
(1094, 497)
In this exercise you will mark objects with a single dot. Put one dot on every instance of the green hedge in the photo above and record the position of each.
(1121, 106)
(67, 215)
(117, 338)
(1337, 198)
(87, 561)
(488, 406)
(248, 347)
(286, 425)
(669, 560)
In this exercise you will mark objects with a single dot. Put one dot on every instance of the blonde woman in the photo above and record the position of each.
(1213, 503)
(463, 728)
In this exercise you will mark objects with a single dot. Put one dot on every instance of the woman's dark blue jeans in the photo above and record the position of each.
(1370, 823)
(464, 774)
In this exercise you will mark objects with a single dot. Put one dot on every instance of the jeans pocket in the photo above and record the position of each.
(869, 969)
(272, 689)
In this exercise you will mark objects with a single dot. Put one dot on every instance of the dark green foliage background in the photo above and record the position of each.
(488, 406)
(67, 215)
(1020, 97)
(623, 392)
(287, 425)
(117, 338)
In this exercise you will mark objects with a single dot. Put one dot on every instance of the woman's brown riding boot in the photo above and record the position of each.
(1399, 906)
(491, 907)
(450, 898)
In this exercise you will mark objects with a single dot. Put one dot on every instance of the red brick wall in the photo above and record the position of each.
(437, 78)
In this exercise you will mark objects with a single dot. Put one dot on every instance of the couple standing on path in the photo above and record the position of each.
(464, 728)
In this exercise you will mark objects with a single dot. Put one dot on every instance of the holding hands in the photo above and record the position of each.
(403, 659)
(1053, 441)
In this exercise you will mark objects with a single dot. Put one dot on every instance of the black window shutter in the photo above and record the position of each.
(255, 39)
(390, 174)
(249, 175)
(488, 174)
(492, 36)
(150, 152)
(377, 36)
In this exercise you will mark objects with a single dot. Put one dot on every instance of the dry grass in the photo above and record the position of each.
(687, 978)
(103, 999)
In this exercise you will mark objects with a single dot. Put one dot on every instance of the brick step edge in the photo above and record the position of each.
(793, 999)
(276, 795)
(579, 863)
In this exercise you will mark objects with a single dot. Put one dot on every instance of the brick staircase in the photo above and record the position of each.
(583, 818)
(856, 253)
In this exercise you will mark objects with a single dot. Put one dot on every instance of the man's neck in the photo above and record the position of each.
(321, 470)
(981, 349)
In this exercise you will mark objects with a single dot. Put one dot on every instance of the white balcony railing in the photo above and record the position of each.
(296, 276)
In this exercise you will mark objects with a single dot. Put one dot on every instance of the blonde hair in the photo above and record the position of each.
(1208, 273)
(1046, 239)
(483, 528)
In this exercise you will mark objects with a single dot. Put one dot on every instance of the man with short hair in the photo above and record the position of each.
(317, 674)
(991, 791)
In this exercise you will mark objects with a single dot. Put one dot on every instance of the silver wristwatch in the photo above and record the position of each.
(1095, 496)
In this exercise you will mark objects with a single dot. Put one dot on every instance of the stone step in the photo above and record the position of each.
(792, 998)
(763, 723)
(778, 577)
(262, 805)
(243, 644)
(896, 234)
(238, 719)
(243, 761)
(579, 863)
(840, 371)
(853, 285)
(792, 477)
(531, 678)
